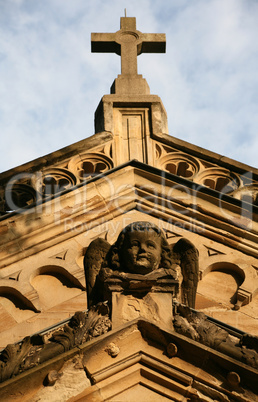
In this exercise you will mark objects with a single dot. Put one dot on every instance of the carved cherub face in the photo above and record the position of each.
(141, 251)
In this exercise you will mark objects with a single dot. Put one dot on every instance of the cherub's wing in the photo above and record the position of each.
(188, 255)
(93, 259)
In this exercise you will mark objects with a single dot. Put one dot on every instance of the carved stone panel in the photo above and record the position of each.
(90, 164)
(179, 164)
(132, 135)
(53, 180)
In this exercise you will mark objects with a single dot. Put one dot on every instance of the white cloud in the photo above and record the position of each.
(51, 84)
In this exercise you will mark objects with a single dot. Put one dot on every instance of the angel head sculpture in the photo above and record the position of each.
(141, 248)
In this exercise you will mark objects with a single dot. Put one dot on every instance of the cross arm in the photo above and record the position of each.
(104, 43)
(153, 43)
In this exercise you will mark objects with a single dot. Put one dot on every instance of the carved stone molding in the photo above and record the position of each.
(89, 164)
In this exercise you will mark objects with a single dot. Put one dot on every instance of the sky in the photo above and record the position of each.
(51, 83)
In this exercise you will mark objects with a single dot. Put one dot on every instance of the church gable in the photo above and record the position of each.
(141, 229)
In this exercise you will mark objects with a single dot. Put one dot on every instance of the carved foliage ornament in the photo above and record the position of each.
(195, 325)
(32, 351)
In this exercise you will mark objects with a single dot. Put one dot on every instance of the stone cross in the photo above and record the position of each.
(128, 43)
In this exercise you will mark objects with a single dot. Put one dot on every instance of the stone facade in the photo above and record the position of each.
(129, 171)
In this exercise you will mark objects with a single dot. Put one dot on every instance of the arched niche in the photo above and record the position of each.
(219, 285)
(59, 272)
(225, 265)
(55, 285)
(59, 267)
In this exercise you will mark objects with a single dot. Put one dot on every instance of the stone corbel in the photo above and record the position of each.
(243, 297)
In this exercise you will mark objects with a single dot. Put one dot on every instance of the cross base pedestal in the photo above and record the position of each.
(130, 85)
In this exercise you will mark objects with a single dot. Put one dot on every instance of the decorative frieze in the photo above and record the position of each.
(211, 175)
(25, 189)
